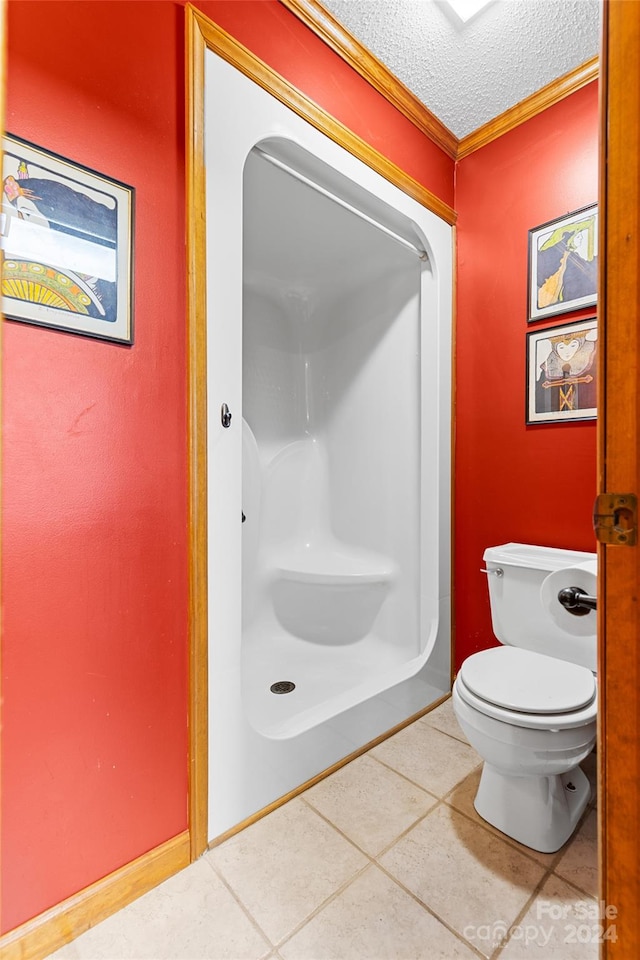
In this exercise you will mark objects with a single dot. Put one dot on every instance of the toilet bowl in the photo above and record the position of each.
(531, 715)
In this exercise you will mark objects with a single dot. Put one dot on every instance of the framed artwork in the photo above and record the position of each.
(561, 373)
(563, 264)
(67, 245)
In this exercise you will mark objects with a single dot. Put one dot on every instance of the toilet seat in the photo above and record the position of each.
(528, 682)
(528, 689)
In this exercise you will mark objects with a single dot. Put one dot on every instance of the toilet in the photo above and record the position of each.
(529, 706)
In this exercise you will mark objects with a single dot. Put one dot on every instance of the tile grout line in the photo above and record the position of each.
(519, 848)
(547, 876)
(516, 922)
(498, 835)
(515, 844)
(446, 732)
(273, 946)
(385, 849)
(574, 886)
(217, 873)
(372, 860)
(549, 870)
(321, 906)
(375, 862)
(420, 787)
(444, 799)
(425, 906)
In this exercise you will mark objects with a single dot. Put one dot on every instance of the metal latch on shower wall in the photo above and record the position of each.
(615, 518)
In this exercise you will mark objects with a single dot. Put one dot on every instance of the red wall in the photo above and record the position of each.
(94, 490)
(94, 522)
(94, 498)
(531, 484)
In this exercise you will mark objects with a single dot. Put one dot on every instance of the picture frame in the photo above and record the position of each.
(562, 373)
(67, 244)
(563, 264)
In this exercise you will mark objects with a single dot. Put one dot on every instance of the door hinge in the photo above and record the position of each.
(615, 518)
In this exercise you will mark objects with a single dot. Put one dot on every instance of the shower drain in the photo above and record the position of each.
(282, 686)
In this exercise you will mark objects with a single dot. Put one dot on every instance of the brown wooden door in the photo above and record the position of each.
(619, 743)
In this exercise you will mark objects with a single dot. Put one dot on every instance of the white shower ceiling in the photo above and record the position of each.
(467, 74)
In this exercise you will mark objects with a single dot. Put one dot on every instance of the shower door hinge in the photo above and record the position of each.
(615, 518)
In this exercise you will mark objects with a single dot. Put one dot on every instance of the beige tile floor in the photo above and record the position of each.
(386, 859)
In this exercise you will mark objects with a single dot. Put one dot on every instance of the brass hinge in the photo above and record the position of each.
(615, 518)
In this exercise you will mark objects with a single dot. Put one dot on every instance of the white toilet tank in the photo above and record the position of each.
(524, 607)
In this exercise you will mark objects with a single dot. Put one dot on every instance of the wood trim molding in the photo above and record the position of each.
(619, 471)
(50, 930)
(203, 34)
(225, 46)
(453, 587)
(335, 35)
(553, 93)
(196, 437)
(324, 24)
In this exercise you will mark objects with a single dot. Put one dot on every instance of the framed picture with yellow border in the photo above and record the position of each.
(67, 244)
(562, 377)
(563, 264)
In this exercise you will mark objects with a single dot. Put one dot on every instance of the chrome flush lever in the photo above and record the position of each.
(498, 572)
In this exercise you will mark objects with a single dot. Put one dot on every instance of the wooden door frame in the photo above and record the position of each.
(202, 35)
(618, 469)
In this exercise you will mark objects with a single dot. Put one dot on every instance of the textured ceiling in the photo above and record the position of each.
(468, 74)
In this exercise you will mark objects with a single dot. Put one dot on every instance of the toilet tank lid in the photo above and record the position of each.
(536, 557)
(528, 682)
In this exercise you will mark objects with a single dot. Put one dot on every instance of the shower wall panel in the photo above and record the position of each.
(329, 311)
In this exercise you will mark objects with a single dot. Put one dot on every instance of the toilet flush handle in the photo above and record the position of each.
(498, 572)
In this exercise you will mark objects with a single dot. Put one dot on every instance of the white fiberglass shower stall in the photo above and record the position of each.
(328, 410)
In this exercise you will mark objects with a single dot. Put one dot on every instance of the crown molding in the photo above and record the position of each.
(331, 31)
(324, 25)
(205, 33)
(553, 93)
